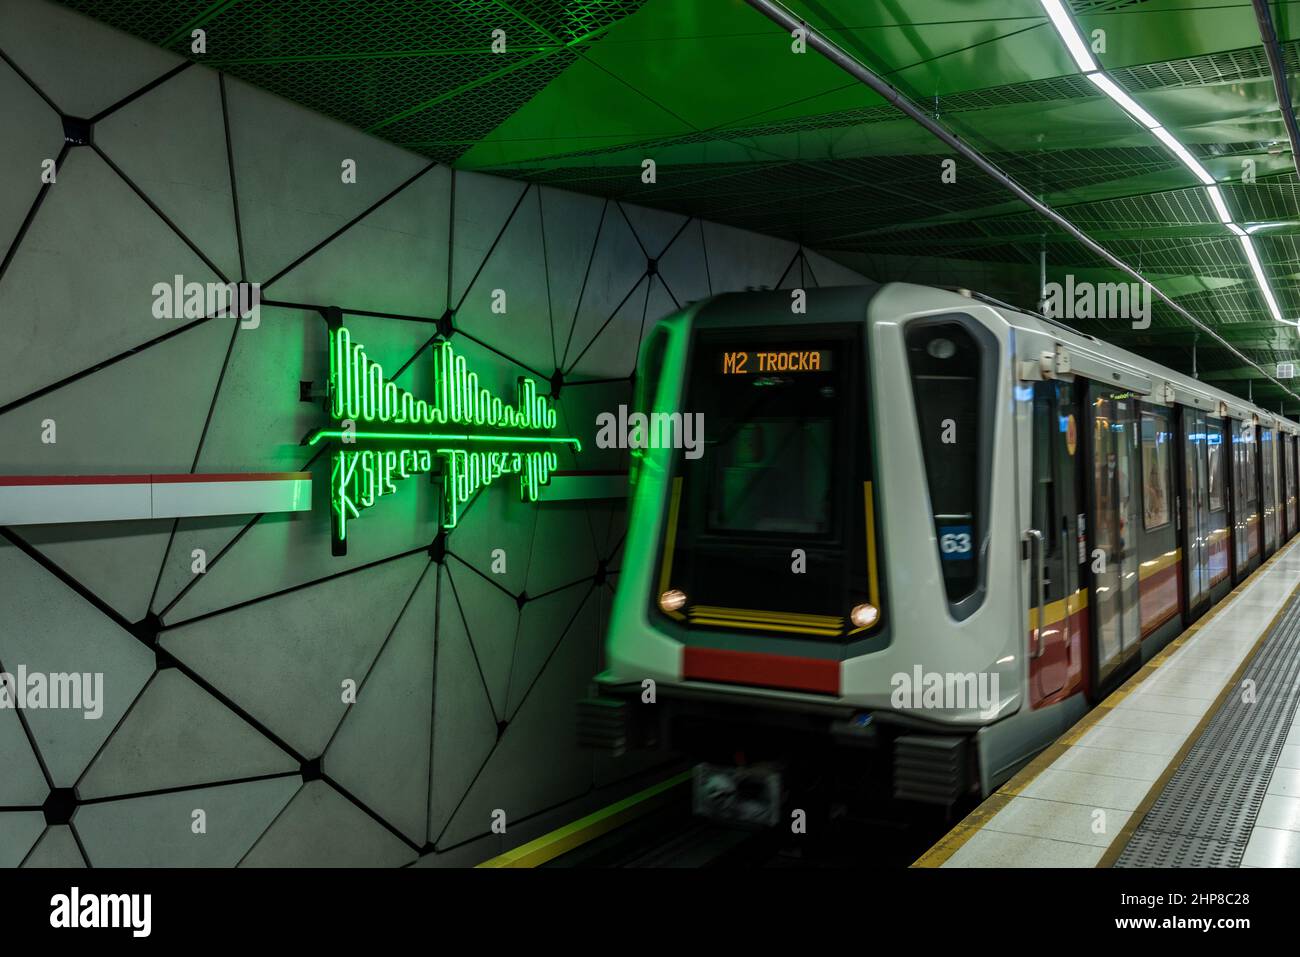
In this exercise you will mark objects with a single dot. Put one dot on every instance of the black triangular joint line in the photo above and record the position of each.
(147, 630)
(164, 659)
(438, 547)
(59, 806)
(77, 130)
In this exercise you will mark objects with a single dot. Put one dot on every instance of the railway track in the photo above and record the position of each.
(888, 835)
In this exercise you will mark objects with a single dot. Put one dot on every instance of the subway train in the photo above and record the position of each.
(925, 533)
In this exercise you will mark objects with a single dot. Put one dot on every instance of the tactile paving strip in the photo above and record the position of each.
(1204, 815)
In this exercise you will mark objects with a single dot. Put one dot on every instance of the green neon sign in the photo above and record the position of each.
(360, 391)
(360, 394)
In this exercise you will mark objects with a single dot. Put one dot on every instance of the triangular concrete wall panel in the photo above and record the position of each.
(381, 751)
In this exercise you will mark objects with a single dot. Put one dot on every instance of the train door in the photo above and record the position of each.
(1276, 500)
(1296, 476)
(1196, 515)
(1245, 495)
(1285, 509)
(1292, 509)
(1283, 457)
(1113, 519)
(1268, 488)
(1250, 483)
(1215, 487)
(1055, 615)
(1289, 468)
(1232, 436)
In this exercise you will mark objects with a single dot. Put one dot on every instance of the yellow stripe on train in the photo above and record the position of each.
(1055, 611)
(1158, 564)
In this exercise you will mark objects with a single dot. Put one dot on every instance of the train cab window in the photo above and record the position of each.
(772, 446)
(785, 467)
(1156, 438)
(651, 369)
(773, 466)
(1214, 449)
(949, 363)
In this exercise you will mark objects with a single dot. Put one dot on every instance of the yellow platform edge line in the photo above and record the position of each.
(564, 839)
(972, 823)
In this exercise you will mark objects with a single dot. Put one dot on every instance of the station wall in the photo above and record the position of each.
(222, 691)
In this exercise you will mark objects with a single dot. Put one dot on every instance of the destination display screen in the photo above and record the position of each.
(771, 361)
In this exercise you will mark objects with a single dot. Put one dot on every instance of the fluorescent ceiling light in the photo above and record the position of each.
(1074, 42)
(1179, 150)
(1112, 89)
(1260, 278)
(1070, 34)
(1220, 207)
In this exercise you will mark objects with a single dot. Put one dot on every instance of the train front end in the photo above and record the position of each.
(808, 572)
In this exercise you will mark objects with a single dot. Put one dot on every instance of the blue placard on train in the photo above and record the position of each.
(956, 543)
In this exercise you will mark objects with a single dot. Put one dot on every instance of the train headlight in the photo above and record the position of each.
(672, 600)
(864, 615)
(941, 348)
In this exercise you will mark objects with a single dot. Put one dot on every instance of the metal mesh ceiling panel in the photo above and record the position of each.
(422, 75)
(747, 133)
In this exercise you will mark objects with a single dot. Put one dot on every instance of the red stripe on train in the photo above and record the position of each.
(787, 673)
(1158, 596)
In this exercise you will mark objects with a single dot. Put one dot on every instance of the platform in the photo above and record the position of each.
(1195, 761)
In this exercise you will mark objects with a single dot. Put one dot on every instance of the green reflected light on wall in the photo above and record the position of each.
(360, 395)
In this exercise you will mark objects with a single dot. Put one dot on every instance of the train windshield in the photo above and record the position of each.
(768, 464)
(771, 505)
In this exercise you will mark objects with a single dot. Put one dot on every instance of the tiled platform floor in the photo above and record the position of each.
(1069, 813)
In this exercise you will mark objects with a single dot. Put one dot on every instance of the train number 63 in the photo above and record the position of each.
(955, 543)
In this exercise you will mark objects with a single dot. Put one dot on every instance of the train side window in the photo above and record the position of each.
(952, 361)
(1156, 437)
(1214, 446)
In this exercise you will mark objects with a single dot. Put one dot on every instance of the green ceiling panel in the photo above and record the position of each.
(744, 131)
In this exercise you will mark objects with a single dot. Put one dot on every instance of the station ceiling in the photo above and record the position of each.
(744, 131)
